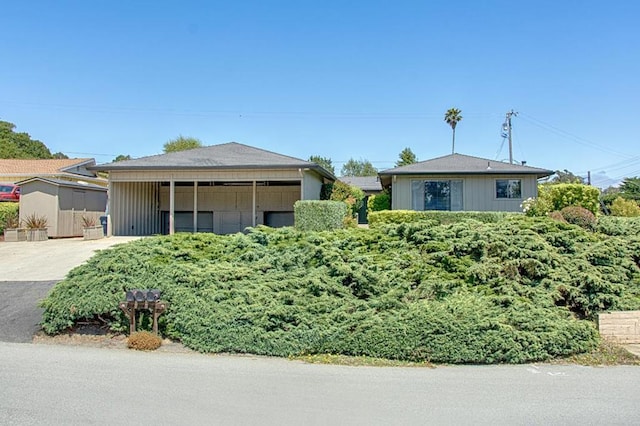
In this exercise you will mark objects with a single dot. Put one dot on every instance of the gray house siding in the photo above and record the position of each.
(479, 192)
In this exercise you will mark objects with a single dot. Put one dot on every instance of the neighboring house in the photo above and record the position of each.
(370, 185)
(462, 182)
(221, 188)
(72, 169)
(63, 203)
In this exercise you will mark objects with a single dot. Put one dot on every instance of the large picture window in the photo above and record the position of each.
(436, 195)
(508, 188)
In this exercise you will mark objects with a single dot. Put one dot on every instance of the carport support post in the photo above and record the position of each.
(195, 206)
(253, 208)
(172, 206)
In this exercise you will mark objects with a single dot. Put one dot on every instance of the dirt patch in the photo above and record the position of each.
(96, 337)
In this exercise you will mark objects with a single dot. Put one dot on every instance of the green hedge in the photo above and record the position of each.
(439, 217)
(379, 202)
(312, 215)
(7, 209)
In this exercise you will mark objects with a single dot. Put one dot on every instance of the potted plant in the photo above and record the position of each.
(12, 230)
(36, 227)
(91, 230)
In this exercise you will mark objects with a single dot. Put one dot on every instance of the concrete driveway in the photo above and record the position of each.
(49, 260)
(29, 271)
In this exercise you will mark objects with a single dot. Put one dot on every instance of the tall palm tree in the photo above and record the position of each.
(452, 117)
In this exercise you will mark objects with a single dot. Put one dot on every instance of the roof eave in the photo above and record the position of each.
(539, 173)
(310, 166)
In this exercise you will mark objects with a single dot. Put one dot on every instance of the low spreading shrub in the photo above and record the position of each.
(518, 290)
(619, 226)
(144, 341)
(8, 215)
(580, 216)
(313, 215)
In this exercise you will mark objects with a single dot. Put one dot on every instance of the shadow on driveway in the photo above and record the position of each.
(20, 315)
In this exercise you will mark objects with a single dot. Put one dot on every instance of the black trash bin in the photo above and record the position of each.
(103, 222)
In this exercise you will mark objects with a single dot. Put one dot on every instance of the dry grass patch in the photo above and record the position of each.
(607, 353)
(144, 341)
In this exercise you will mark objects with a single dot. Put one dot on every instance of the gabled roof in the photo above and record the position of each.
(366, 183)
(465, 164)
(15, 166)
(62, 182)
(231, 155)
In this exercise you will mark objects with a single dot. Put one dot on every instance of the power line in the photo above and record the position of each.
(570, 136)
(245, 114)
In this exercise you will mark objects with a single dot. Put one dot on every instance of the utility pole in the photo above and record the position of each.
(507, 127)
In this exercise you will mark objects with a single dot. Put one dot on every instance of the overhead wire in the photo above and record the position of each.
(577, 139)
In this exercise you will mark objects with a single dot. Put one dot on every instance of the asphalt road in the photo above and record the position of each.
(43, 384)
(19, 313)
(29, 270)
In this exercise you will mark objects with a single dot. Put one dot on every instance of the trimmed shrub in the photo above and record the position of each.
(438, 217)
(386, 217)
(624, 208)
(8, 212)
(552, 197)
(556, 215)
(313, 215)
(580, 216)
(573, 194)
(144, 341)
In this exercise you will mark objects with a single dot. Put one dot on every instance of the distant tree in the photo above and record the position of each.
(122, 157)
(60, 156)
(182, 143)
(453, 117)
(324, 162)
(20, 145)
(565, 176)
(358, 168)
(630, 188)
(406, 157)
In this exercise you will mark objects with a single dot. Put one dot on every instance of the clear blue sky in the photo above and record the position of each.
(341, 79)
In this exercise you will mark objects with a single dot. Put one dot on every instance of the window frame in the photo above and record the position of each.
(506, 190)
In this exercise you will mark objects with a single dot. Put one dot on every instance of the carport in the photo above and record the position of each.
(221, 188)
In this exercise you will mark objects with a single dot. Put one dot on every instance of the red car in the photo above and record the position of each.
(9, 192)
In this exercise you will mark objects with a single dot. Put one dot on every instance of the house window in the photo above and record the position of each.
(436, 195)
(508, 188)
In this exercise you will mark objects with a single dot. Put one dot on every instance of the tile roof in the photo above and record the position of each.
(465, 164)
(14, 166)
(226, 155)
(366, 183)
